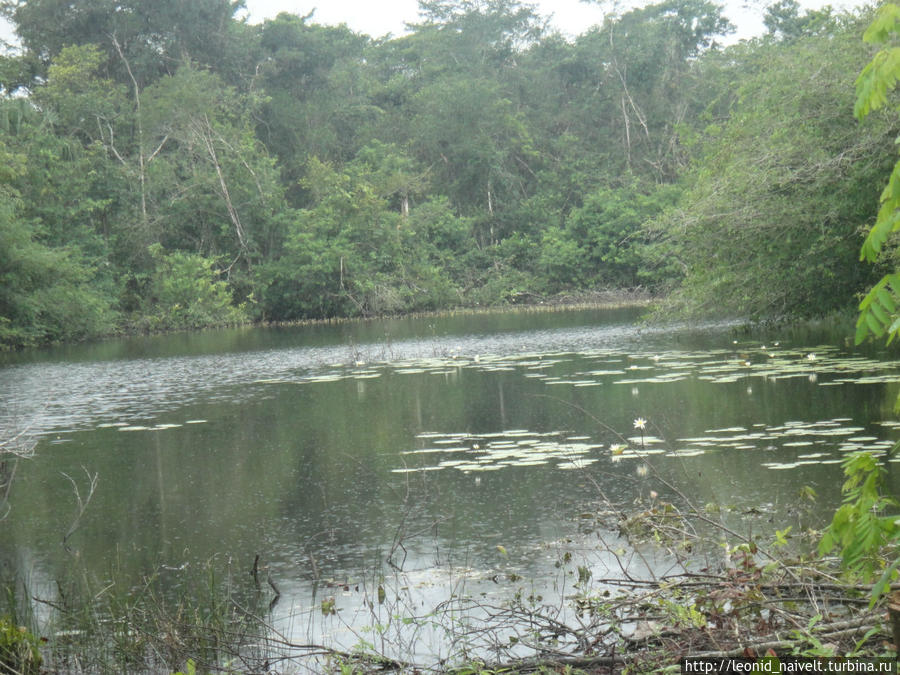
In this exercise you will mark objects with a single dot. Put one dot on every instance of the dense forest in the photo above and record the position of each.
(168, 165)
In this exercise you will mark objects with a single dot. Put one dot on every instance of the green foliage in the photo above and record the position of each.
(190, 668)
(18, 650)
(878, 310)
(784, 21)
(185, 291)
(606, 229)
(860, 529)
(478, 159)
(46, 294)
(815, 646)
(769, 221)
(682, 613)
(882, 73)
(153, 36)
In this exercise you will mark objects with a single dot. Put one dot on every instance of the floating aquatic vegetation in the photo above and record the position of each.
(763, 365)
(686, 452)
(417, 469)
(646, 440)
(778, 466)
(507, 449)
(432, 451)
(576, 463)
(831, 436)
(821, 365)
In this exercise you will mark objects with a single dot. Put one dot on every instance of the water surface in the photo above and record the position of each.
(448, 454)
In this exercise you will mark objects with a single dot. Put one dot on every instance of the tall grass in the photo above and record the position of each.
(212, 615)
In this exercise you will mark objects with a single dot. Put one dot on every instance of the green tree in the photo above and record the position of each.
(784, 21)
(155, 37)
(603, 239)
(314, 80)
(769, 223)
(645, 62)
(46, 294)
(186, 291)
(338, 251)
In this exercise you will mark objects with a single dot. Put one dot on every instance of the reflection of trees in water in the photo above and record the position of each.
(14, 445)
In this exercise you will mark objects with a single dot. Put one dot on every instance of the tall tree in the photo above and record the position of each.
(649, 59)
(770, 222)
(156, 37)
(47, 293)
(315, 99)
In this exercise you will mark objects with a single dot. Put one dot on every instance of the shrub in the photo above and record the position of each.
(18, 650)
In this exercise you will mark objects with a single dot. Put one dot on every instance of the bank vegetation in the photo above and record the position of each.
(178, 167)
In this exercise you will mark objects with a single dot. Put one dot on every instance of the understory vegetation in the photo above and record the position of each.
(178, 167)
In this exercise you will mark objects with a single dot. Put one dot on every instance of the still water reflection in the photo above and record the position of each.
(447, 450)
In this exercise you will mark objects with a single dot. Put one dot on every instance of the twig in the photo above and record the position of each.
(254, 572)
(82, 504)
(777, 644)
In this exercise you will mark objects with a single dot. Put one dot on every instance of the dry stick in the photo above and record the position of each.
(14, 440)
(205, 134)
(313, 649)
(832, 630)
(142, 162)
(82, 504)
(526, 665)
(695, 579)
(894, 617)
(776, 644)
(274, 587)
(10, 447)
(255, 571)
(7, 488)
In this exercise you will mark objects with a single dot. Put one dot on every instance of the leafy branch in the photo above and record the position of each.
(878, 310)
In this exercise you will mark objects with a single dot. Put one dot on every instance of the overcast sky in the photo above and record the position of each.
(388, 16)
(380, 17)
(572, 17)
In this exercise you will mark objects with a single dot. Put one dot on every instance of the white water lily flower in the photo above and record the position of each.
(640, 423)
(617, 449)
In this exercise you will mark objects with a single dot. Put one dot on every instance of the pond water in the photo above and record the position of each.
(451, 454)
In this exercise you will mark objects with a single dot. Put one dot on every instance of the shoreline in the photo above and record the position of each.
(575, 301)
(595, 300)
